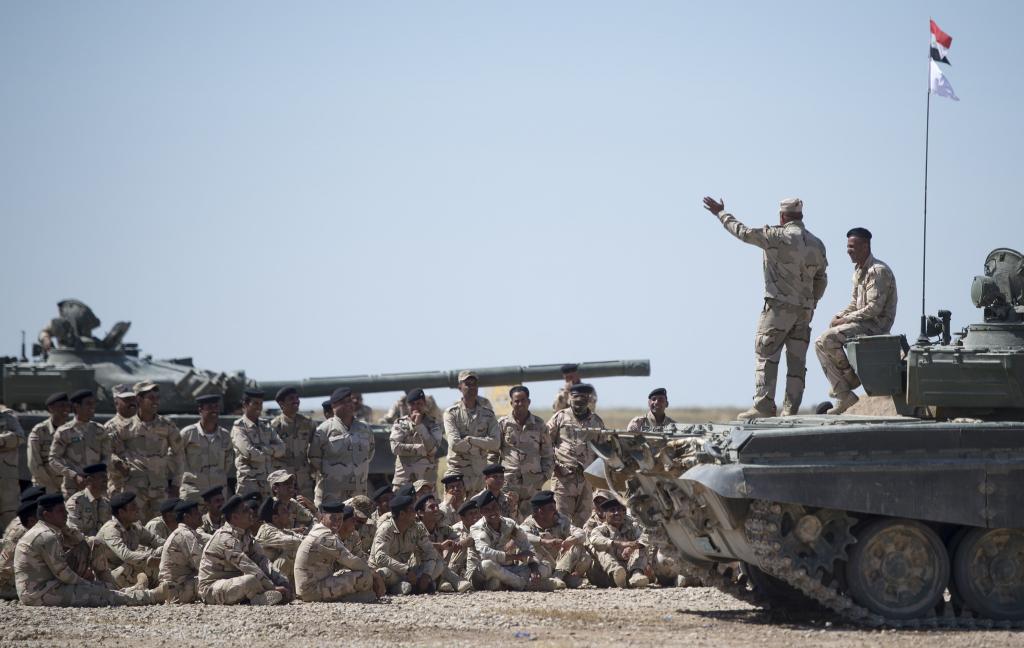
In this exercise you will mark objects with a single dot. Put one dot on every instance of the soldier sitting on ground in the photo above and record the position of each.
(282, 488)
(494, 481)
(276, 537)
(365, 526)
(132, 550)
(162, 525)
(325, 570)
(25, 519)
(183, 551)
(621, 557)
(89, 508)
(444, 540)
(233, 568)
(506, 557)
(464, 560)
(454, 497)
(557, 542)
(382, 501)
(402, 552)
(213, 519)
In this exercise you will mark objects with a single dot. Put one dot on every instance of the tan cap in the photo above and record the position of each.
(144, 386)
(420, 483)
(122, 391)
(467, 373)
(604, 494)
(279, 477)
(791, 206)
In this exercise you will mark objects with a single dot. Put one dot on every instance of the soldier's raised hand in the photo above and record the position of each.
(714, 206)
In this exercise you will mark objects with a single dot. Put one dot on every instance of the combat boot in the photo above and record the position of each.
(757, 412)
(843, 402)
(638, 581)
(445, 588)
(464, 586)
(270, 597)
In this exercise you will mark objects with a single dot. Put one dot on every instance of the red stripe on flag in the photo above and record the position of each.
(941, 37)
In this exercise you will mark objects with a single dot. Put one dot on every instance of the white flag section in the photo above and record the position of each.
(940, 84)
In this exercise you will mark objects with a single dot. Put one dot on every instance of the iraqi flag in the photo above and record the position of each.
(941, 42)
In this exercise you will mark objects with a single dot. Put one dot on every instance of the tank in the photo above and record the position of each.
(909, 520)
(78, 359)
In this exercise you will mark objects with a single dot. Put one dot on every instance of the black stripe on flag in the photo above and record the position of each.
(939, 56)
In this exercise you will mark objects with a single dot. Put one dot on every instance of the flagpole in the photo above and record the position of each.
(924, 232)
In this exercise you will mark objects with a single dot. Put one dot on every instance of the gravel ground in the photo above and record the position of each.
(655, 617)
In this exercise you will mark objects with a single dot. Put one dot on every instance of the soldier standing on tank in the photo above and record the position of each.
(471, 429)
(207, 454)
(41, 438)
(11, 436)
(657, 403)
(148, 452)
(414, 439)
(571, 376)
(256, 446)
(572, 454)
(126, 406)
(78, 443)
(871, 311)
(525, 449)
(340, 452)
(794, 281)
(296, 430)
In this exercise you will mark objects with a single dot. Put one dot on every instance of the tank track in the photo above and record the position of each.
(763, 530)
(729, 580)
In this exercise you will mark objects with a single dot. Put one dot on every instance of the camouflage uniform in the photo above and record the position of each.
(340, 457)
(233, 568)
(471, 435)
(87, 513)
(450, 513)
(149, 454)
(116, 475)
(11, 436)
(43, 576)
(209, 526)
(179, 562)
(526, 454)
(609, 557)
(794, 281)
(256, 446)
(400, 408)
(325, 570)
(75, 446)
(505, 506)
(364, 413)
(415, 450)
(158, 528)
(38, 454)
(871, 311)
(132, 550)
(495, 565)
(12, 534)
(296, 433)
(465, 561)
(279, 545)
(394, 554)
(575, 560)
(562, 399)
(572, 456)
(207, 460)
(646, 423)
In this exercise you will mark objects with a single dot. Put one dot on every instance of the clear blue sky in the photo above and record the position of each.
(337, 188)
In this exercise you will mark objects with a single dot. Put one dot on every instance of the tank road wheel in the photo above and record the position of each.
(815, 540)
(988, 570)
(898, 569)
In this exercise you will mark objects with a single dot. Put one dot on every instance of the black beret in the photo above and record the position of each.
(570, 367)
(120, 500)
(208, 399)
(452, 478)
(28, 506)
(540, 498)
(31, 493)
(285, 392)
(254, 393)
(167, 505)
(337, 507)
(581, 388)
(377, 494)
(252, 497)
(210, 493)
(59, 397)
(609, 504)
(80, 395)
(493, 469)
(519, 388)
(468, 506)
(92, 469)
(341, 393)
(347, 512)
(421, 503)
(47, 502)
(659, 391)
(408, 489)
(400, 503)
(859, 232)
(267, 509)
(485, 498)
(415, 395)
(326, 405)
(233, 503)
(184, 506)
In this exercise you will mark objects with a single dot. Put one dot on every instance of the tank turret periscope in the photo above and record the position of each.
(980, 374)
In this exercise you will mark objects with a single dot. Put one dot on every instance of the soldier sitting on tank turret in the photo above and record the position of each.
(871, 311)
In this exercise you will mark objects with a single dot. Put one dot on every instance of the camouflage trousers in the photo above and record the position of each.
(126, 574)
(409, 473)
(229, 591)
(336, 586)
(392, 579)
(515, 577)
(334, 490)
(781, 326)
(831, 353)
(608, 563)
(465, 567)
(88, 594)
(525, 485)
(573, 496)
(9, 493)
(574, 560)
(188, 590)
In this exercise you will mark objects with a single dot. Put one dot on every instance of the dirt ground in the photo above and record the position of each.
(588, 617)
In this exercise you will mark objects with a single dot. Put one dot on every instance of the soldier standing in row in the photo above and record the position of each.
(41, 438)
(415, 439)
(400, 408)
(340, 452)
(362, 411)
(11, 436)
(206, 450)
(572, 454)
(794, 281)
(296, 431)
(256, 446)
(126, 406)
(78, 443)
(525, 449)
(471, 430)
(871, 311)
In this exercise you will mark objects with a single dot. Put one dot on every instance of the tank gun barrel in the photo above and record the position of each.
(488, 377)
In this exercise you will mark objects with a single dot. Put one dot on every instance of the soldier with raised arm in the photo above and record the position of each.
(256, 446)
(471, 429)
(207, 454)
(340, 452)
(525, 449)
(78, 443)
(572, 454)
(794, 281)
(415, 439)
(871, 311)
(296, 431)
(41, 438)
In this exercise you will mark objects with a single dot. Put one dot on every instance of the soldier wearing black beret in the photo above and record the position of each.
(134, 550)
(655, 418)
(571, 376)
